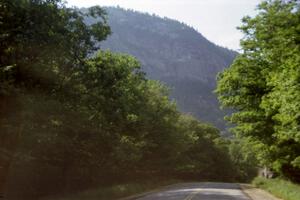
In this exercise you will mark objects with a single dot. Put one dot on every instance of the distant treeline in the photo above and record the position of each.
(70, 121)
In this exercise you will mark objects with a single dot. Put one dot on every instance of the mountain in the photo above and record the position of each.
(174, 53)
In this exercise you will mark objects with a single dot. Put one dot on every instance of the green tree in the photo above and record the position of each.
(262, 85)
(42, 42)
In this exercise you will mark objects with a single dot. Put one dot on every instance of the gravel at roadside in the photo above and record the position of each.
(256, 193)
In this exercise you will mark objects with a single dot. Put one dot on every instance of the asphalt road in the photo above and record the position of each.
(198, 191)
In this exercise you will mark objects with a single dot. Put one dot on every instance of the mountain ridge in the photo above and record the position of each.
(175, 54)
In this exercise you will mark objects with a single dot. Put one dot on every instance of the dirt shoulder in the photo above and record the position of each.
(256, 193)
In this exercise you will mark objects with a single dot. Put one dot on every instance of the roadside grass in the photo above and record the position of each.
(116, 191)
(278, 187)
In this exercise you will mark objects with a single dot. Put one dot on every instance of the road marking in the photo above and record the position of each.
(191, 196)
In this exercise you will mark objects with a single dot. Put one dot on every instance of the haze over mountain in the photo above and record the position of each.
(174, 53)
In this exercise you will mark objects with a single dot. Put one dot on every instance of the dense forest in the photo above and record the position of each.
(263, 87)
(71, 121)
(175, 54)
(74, 116)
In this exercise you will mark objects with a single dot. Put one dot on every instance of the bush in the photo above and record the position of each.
(281, 188)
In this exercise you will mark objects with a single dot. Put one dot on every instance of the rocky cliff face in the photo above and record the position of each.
(175, 54)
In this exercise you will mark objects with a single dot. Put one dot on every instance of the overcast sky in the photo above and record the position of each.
(215, 19)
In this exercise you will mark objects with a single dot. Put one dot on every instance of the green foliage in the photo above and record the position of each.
(204, 143)
(245, 154)
(72, 120)
(262, 85)
(40, 39)
(281, 188)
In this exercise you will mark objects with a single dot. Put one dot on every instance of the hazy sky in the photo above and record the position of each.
(215, 19)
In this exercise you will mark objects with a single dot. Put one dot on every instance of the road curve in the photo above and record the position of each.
(198, 191)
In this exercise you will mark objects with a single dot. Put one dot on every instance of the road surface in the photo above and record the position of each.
(198, 191)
